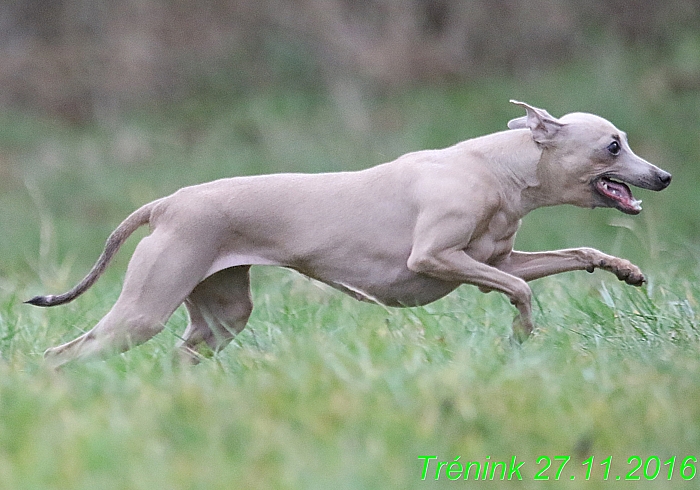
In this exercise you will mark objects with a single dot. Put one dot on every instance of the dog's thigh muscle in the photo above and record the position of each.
(161, 274)
(219, 308)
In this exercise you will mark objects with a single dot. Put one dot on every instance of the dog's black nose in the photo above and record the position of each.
(665, 179)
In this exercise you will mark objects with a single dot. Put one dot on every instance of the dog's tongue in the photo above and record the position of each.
(621, 194)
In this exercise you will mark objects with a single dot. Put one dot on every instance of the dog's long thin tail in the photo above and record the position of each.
(136, 219)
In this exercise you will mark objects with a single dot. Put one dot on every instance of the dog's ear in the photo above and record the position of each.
(541, 123)
(518, 123)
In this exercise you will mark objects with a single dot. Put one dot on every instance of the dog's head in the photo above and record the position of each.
(589, 160)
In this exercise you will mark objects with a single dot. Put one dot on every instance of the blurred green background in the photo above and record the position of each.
(107, 105)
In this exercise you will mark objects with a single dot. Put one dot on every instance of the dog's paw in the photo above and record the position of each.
(624, 270)
(522, 329)
(636, 279)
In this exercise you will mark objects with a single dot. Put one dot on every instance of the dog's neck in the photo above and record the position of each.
(518, 162)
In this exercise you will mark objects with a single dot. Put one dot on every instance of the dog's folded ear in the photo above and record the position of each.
(518, 123)
(541, 123)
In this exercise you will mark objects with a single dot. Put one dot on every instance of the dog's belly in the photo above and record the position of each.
(390, 286)
(379, 279)
(415, 291)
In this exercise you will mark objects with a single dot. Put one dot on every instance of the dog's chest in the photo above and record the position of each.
(495, 240)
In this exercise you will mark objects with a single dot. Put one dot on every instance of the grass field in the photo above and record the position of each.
(322, 391)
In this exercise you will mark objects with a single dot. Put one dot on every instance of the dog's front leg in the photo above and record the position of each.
(454, 265)
(534, 265)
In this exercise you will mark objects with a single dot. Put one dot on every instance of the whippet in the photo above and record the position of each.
(404, 233)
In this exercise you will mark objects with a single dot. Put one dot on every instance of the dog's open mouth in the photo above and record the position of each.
(619, 194)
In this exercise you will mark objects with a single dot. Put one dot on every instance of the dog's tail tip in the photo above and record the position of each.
(41, 301)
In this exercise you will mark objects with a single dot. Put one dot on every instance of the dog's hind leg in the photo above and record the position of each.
(219, 308)
(161, 274)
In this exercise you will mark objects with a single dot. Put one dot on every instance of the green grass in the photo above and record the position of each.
(322, 391)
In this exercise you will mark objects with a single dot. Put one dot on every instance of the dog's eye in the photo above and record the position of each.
(614, 148)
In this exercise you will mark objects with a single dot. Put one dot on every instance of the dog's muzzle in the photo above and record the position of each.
(616, 193)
